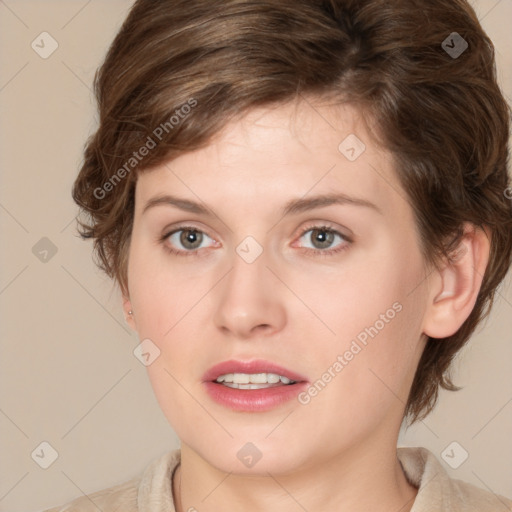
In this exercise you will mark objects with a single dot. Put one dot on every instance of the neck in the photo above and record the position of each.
(351, 481)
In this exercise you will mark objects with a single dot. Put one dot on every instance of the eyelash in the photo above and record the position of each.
(315, 252)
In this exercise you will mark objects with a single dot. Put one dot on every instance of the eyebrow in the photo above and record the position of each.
(292, 207)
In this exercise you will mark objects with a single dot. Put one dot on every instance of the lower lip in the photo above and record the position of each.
(254, 400)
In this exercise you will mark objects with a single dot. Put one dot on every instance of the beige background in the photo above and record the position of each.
(68, 374)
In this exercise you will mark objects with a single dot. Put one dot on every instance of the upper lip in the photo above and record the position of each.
(253, 366)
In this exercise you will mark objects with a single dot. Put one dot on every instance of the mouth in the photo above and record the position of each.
(252, 386)
(256, 374)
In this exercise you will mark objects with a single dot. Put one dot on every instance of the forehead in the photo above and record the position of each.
(277, 153)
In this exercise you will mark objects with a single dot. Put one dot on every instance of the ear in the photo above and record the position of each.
(455, 287)
(127, 308)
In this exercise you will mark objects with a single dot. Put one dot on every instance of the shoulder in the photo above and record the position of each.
(122, 497)
(438, 491)
(149, 492)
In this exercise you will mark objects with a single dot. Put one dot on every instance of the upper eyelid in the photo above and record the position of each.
(168, 231)
(314, 225)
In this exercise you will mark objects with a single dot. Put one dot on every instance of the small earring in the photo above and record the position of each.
(130, 312)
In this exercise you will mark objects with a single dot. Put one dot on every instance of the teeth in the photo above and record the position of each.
(240, 378)
(258, 378)
(253, 378)
(248, 386)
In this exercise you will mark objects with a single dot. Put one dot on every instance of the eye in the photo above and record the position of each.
(322, 238)
(186, 240)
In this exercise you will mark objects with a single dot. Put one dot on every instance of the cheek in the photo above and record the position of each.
(170, 307)
(366, 289)
(369, 361)
(175, 375)
(161, 293)
(362, 381)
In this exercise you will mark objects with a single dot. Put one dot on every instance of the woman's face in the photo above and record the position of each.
(331, 291)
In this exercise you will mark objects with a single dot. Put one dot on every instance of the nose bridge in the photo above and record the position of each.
(248, 300)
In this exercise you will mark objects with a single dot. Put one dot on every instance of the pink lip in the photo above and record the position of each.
(252, 400)
(256, 366)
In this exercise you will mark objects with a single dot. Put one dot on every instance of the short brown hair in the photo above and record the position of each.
(442, 115)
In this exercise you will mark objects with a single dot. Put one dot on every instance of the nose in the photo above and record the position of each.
(250, 301)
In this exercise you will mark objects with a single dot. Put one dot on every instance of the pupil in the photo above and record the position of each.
(190, 238)
(323, 237)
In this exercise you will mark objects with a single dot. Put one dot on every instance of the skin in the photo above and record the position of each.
(299, 309)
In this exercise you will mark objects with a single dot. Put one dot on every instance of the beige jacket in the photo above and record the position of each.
(152, 491)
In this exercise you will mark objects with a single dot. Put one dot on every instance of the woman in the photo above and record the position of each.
(305, 207)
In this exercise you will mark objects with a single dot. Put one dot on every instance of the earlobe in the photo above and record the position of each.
(128, 313)
(455, 287)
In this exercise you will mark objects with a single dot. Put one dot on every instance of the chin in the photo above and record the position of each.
(272, 462)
